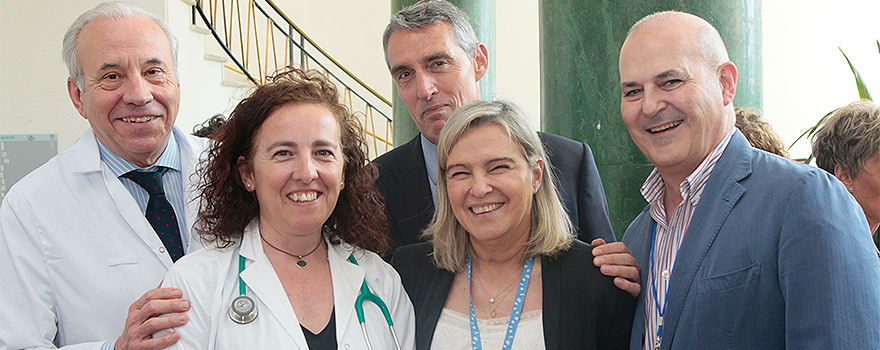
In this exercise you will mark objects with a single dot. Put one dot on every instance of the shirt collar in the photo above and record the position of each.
(692, 186)
(429, 150)
(170, 158)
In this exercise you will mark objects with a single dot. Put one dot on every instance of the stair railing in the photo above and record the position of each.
(259, 42)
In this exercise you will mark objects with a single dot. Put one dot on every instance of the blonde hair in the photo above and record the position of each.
(551, 229)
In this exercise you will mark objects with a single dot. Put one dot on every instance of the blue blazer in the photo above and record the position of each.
(777, 255)
(403, 181)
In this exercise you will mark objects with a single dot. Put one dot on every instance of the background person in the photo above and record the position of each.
(741, 249)
(848, 146)
(289, 191)
(437, 62)
(77, 245)
(499, 236)
(759, 132)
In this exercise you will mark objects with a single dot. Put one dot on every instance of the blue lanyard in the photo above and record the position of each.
(514, 314)
(660, 310)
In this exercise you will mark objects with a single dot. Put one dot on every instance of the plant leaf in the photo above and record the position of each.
(864, 94)
(810, 131)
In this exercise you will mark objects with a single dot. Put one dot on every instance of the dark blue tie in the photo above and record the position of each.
(159, 213)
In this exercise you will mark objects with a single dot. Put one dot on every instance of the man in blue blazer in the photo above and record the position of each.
(437, 63)
(739, 249)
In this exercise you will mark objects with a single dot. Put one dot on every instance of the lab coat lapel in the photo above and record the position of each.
(189, 159)
(347, 279)
(261, 279)
(89, 161)
(719, 197)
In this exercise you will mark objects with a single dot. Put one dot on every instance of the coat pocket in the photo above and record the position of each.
(729, 280)
(126, 260)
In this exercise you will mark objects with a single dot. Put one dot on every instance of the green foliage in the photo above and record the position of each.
(864, 94)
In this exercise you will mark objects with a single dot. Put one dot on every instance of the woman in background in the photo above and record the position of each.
(848, 146)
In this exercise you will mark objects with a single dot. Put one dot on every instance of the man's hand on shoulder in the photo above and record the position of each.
(615, 260)
(145, 318)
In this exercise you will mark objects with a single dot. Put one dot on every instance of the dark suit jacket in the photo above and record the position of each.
(777, 256)
(582, 309)
(403, 181)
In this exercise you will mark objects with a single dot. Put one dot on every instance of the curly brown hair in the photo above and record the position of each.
(759, 132)
(226, 207)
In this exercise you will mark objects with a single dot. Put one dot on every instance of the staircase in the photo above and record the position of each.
(254, 38)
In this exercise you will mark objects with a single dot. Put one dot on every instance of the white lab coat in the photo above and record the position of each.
(209, 279)
(76, 250)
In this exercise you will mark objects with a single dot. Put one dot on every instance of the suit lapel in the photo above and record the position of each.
(414, 190)
(551, 289)
(718, 199)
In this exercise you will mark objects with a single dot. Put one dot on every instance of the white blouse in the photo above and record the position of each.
(453, 331)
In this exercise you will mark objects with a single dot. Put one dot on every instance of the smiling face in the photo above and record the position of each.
(490, 185)
(297, 168)
(130, 93)
(434, 75)
(676, 105)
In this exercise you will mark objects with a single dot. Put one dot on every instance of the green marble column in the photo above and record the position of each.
(580, 93)
(482, 15)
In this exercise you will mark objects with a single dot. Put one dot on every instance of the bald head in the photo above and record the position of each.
(685, 28)
(677, 88)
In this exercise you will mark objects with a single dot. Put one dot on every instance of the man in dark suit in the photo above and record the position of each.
(436, 62)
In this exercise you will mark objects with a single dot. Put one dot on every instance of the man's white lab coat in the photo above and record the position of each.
(76, 250)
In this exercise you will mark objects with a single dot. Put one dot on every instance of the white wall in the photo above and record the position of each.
(33, 79)
(804, 74)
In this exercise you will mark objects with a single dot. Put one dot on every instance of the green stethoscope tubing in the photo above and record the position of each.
(364, 295)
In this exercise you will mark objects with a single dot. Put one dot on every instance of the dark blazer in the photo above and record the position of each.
(403, 181)
(582, 309)
(777, 256)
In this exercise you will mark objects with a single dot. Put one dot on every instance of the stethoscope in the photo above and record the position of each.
(243, 309)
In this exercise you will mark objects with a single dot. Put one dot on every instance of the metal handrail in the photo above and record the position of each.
(309, 39)
(268, 55)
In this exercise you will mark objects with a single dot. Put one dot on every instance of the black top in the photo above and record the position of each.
(582, 309)
(324, 340)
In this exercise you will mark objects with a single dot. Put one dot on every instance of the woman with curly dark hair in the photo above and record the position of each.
(293, 223)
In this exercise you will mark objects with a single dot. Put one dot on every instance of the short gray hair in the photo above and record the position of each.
(551, 229)
(849, 137)
(107, 10)
(428, 12)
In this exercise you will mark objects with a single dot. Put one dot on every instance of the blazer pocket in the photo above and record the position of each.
(729, 280)
(126, 260)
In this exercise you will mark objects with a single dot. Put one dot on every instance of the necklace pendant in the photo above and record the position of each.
(301, 263)
(491, 300)
(492, 313)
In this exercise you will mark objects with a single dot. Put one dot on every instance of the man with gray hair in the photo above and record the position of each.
(741, 249)
(96, 227)
(436, 61)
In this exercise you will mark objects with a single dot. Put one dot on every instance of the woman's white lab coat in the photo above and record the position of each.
(209, 280)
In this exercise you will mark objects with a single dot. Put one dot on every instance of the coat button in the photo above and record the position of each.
(161, 249)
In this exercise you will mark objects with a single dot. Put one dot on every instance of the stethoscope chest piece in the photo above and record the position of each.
(243, 310)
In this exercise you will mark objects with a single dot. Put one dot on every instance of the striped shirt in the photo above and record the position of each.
(172, 180)
(669, 233)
